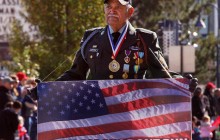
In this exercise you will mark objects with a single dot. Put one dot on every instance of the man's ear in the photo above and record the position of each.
(130, 11)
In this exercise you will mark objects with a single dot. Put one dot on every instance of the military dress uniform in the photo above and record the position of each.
(132, 61)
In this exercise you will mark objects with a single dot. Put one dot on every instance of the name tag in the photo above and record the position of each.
(93, 50)
(134, 48)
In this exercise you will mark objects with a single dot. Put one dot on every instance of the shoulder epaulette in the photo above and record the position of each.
(142, 30)
(93, 29)
(93, 32)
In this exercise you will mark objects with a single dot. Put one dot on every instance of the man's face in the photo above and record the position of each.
(8, 85)
(116, 14)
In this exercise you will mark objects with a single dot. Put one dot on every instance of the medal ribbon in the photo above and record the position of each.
(136, 55)
(136, 68)
(141, 54)
(127, 52)
(115, 49)
(126, 68)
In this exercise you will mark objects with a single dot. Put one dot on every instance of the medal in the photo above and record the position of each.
(114, 66)
(141, 55)
(125, 76)
(127, 59)
(137, 61)
(127, 53)
(111, 76)
(141, 61)
(136, 69)
(126, 71)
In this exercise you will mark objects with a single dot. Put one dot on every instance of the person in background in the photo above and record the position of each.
(5, 92)
(206, 128)
(1, 78)
(28, 109)
(200, 103)
(209, 92)
(15, 92)
(217, 101)
(195, 129)
(9, 121)
(22, 78)
(22, 132)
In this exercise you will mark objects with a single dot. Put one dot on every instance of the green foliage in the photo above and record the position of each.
(21, 49)
(205, 59)
(61, 25)
(149, 12)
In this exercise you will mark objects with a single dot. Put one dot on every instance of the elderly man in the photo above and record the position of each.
(119, 51)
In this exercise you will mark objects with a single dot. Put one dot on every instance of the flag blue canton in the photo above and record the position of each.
(70, 101)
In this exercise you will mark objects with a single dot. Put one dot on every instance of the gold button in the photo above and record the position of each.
(111, 76)
(91, 56)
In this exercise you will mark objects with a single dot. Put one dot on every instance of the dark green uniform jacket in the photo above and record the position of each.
(98, 55)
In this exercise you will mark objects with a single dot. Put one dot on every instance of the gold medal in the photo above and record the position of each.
(111, 76)
(141, 61)
(114, 66)
(125, 76)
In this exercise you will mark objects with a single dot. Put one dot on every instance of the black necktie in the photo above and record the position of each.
(115, 37)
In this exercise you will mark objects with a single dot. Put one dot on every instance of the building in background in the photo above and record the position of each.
(9, 12)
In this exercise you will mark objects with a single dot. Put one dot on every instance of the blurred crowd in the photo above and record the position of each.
(18, 111)
(206, 113)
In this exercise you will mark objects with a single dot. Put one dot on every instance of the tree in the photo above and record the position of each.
(21, 49)
(61, 25)
(205, 62)
(149, 12)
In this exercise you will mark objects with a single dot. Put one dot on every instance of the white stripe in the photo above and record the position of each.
(114, 118)
(110, 83)
(140, 94)
(148, 132)
(186, 86)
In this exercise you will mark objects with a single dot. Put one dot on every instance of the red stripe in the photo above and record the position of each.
(182, 80)
(128, 87)
(146, 102)
(114, 127)
(183, 135)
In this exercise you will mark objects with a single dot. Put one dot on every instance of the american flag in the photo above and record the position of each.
(114, 109)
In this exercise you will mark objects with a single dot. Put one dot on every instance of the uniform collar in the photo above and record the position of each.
(120, 31)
